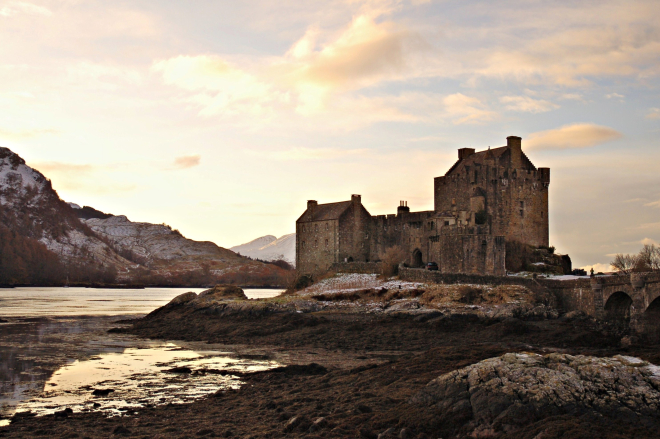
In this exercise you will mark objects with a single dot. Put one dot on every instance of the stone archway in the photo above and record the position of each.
(651, 320)
(617, 309)
(417, 258)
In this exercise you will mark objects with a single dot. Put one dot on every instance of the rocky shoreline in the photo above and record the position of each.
(403, 362)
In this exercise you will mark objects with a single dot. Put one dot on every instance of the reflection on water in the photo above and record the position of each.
(116, 382)
(55, 342)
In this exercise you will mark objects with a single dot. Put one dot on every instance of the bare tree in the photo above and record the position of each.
(649, 258)
(624, 263)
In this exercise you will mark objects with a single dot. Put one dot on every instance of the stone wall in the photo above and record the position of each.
(357, 267)
(513, 192)
(468, 250)
(573, 295)
(354, 232)
(427, 276)
(317, 245)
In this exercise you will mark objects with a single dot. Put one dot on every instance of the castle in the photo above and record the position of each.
(485, 199)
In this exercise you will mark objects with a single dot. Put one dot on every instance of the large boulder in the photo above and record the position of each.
(182, 299)
(223, 292)
(500, 395)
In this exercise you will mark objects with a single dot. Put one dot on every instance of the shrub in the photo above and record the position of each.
(468, 294)
(390, 260)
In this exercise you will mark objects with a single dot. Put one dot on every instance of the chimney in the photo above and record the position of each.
(311, 204)
(403, 207)
(356, 199)
(465, 153)
(514, 143)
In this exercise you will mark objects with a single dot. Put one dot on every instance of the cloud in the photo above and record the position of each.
(527, 104)
(302, 80)
(649, 241)
(571, 97)
(14, 8)
(188, 161)
(303, 153)
(653, 204)
(27, 133)
(467, 110)
(649, 226)
(654, 113)
(615, 96)
(47, 168)
(579, 135)
(598, 268)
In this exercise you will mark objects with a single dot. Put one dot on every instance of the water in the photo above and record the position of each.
(55, 351)
(50, 301)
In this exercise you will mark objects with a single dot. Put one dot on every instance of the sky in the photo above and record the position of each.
(221, 118)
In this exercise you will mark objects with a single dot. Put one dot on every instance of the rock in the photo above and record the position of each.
(220, 292)
(64, 413)
(204, 432)
(321, 422)
(300, 369)
(102, 392)
(405, 433)
(180, 369)
(292, 423)
(363, 409)
(574, 315)
(367, 433)
(501, 394)
(318, 424)
(386, 434)
(120, 429)
(182, 299)
(3, 320)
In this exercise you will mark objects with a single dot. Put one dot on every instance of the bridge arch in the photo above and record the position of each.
(618, 308)
(651, 319)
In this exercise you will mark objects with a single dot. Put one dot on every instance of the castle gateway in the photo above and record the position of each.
(485, 199)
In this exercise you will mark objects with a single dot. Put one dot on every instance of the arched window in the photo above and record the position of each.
(327, 226)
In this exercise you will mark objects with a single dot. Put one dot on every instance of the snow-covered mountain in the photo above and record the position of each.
(269, 248)
(32, 214)
(32, 209)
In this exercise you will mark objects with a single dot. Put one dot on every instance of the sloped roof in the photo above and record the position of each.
(324, 212)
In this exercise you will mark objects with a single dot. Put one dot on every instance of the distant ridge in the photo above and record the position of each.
(269, 248)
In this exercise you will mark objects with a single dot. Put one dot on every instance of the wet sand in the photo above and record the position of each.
(371, 366)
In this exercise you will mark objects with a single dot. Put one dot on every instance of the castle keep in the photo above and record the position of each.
(485, 199)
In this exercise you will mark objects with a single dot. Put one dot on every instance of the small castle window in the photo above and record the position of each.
(327, 226)
(446, 223)
(522, 213)
(303, 244)
(326, 242)
(316, 243)
(522, 204)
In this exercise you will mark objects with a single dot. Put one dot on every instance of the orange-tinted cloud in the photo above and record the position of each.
(188, 161)
(579, 135)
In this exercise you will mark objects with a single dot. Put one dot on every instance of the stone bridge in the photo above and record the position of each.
(629, 298)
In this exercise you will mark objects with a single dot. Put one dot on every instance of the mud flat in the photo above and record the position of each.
(394, 360)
